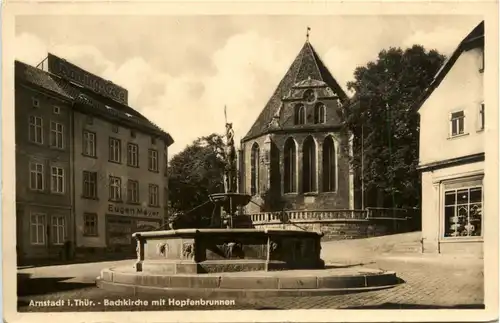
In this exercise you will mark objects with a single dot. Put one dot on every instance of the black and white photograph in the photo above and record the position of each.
(229, 162)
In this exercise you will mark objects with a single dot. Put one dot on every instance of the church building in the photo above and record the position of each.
(296, 154)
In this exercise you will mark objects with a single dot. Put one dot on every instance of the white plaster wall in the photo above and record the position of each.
(462, 88)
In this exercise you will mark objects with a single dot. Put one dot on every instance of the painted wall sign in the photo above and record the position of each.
(73, 73)
(133, 211)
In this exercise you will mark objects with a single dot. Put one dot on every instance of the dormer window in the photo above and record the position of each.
(457, 123)
(319, 113)
(300, 114)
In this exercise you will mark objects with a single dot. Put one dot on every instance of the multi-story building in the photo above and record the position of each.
(452, 123)
(97, 168)
(295, 156)
(43, 165)
(121, 181)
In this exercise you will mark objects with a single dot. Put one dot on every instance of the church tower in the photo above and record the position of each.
(295, 156)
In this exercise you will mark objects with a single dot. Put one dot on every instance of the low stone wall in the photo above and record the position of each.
(340, 229)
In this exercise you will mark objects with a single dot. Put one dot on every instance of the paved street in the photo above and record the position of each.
(429, 282)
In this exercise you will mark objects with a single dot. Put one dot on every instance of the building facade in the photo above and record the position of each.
(453, 165)
(120, 183)
(90, 169)
(43, 169)
(295, 156)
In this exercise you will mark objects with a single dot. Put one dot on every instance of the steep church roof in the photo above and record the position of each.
(307, 66)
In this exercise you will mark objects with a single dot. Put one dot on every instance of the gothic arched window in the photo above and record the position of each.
(319, 113)
(254, 184)
(329, 165)
(300, 114)
(309, 166)
(290, 154)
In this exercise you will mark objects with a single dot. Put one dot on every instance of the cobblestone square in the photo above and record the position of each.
(428, 282)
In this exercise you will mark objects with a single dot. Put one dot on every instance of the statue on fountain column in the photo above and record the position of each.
(230, 160)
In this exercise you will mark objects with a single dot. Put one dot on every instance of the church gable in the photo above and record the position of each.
(306, 74)
(309, 103)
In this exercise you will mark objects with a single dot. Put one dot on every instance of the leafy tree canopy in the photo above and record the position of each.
(383, 113)
(194, 173)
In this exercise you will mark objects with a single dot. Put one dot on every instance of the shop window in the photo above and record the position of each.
(463, 212)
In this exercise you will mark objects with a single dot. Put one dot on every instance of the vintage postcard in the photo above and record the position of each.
(246, 162)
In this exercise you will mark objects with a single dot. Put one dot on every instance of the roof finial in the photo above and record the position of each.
(307, 34)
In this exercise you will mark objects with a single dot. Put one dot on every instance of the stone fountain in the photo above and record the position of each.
(236, 261)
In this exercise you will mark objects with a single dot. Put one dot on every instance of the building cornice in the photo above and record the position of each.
(474, 158)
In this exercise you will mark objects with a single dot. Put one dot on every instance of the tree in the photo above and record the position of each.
(194, 173)
(382, 114)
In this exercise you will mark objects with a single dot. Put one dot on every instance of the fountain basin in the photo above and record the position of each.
(196, 251)
(230, 201)
(257, 284)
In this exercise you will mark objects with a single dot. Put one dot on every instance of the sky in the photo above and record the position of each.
(180, 71)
